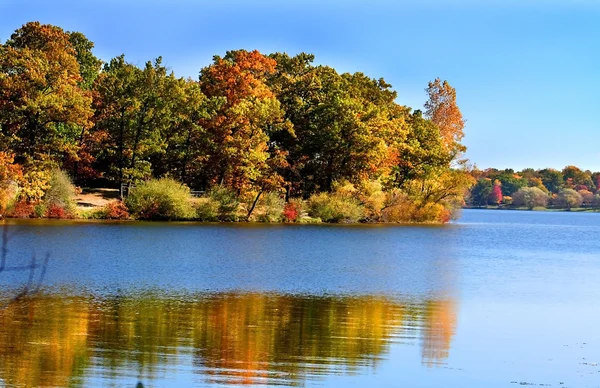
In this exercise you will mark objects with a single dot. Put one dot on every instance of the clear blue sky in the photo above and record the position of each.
(527, 72)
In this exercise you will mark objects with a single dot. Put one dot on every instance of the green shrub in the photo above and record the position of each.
(207, 209)
(93, 213)
(160, 199)
(61, 193)
(335, 208)
(227, 201)
(270, 207)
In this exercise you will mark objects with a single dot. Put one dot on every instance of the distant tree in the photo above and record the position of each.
(596, 202)
(495, 197)
(530, 197)
(576, 177)
(587, 197)
(568, 198)
(481, 192)
(511, 182)
(552, 179)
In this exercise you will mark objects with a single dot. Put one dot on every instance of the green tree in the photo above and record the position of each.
(481, 192)
(552, 179)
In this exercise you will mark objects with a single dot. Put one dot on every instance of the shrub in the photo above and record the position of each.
(228, 203)
(531, 197)
(115, 210)
(373, 198)
(335, 208)
(160, 199)
(54, 210)
(60, 194)
(207, 209)
(403, 209)
(271, 207)
(290, 212)
(568, 198)
(22, 209)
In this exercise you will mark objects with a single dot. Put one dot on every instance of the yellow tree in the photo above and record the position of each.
(442, 110)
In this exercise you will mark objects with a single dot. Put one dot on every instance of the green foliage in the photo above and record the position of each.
(61, 192)
(481, 192)
(160, 199)
(270, 207)
(207, 209)
(228, 203)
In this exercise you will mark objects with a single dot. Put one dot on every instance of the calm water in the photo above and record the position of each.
(499, 299)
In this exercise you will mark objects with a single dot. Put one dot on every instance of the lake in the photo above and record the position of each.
(496, 299)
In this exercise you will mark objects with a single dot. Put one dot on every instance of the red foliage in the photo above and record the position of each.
(56, 211)
(116, 211)
(290, 212)
(23, 209)
(496, 196)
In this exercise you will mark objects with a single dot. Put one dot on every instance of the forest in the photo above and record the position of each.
(568, 189)
(261, 137)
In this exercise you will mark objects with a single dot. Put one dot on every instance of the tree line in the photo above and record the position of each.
(251, 123)
(568, 188)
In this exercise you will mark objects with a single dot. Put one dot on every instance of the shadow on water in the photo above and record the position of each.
(53, 339)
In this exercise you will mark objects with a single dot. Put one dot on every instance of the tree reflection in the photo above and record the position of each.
(232, 338)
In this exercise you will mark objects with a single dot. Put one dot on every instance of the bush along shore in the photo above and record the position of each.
(264, 137)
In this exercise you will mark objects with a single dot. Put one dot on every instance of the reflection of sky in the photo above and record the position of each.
(305, 259)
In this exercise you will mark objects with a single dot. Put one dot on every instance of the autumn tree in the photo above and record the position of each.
(495, 197)
(239, 152)
(530, 197)
(345, 126)
(442, 110)
(42, 106)
(568, 198)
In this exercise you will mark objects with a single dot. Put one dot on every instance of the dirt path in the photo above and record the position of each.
(96, 197)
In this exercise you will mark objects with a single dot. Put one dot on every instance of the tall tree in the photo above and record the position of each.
(42, 105)
(442, 110)
(239, 153)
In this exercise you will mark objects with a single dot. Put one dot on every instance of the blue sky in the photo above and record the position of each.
(527, 72)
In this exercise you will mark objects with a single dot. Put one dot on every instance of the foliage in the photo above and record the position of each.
(481, 192)
(271, 207)
(10, 176)
(22, 209)
(291, 211)
(338, 206)
(442, 110)
(252, 124)
(227, 202)
(42, 106)
(496, 194)
(207, 209)
(115, 210)
(530, 197)
(55, 210)
(160, 199)
(60, 194)
(568, 198)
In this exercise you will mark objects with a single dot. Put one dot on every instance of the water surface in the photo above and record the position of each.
(498, 299)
